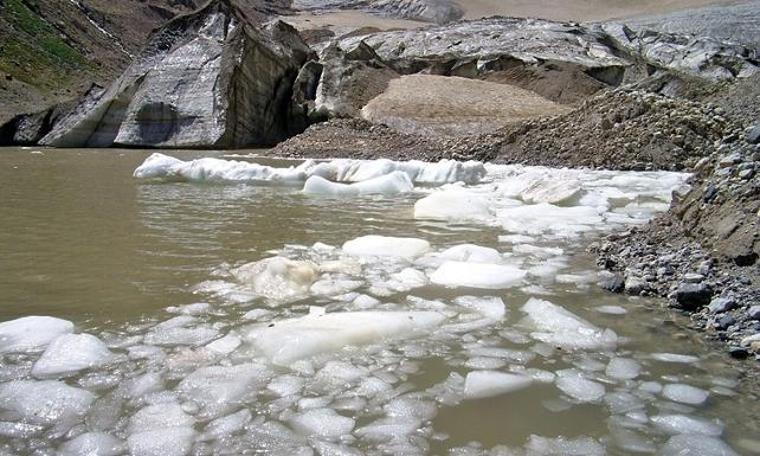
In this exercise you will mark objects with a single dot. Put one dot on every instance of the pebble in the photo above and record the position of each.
(720, 305)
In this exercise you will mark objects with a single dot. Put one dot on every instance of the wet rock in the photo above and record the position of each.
(635, 285)
(612, 282)
(720, 305)
(725, 321)
(692, 296)
(753, 135)
(738, 352)
(213, 78)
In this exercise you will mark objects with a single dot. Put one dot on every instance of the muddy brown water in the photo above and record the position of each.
(82, 240)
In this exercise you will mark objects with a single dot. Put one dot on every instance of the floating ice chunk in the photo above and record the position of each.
(471, 253)
(481, 384)
(365, 302)
(611, 310)
(419, 172)
(559, 327)
(218, 389)
(546, 218)
(517, 239)
(534, 250)
(572, 383)
(225, 345)
(551, 191)
(31, 334)
(155, 166)
(324, 423)
(277, 277)
(174, 441)
(199, 308)
(674, 358)
(45, 402)
(147, 383)
(682, 424)
(389, 184)
(93, 444)
(453, 204)
(389, 429)
(287, 341)
(623, 369)
(286, 385)
(176, 336)
(333, 449)
(328, 287)
(489, 307)
(160, 416)
(685, 394)
(409, 278)
(697, 445)
(226, 425)
(382, 246)
(257, 314)
(216, 170)
(582, 446)
(71, 353)
(477, 275)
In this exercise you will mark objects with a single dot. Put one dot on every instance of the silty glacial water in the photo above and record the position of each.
(220, 307)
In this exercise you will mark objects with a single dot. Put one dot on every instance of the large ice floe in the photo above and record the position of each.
(370, 346)
(341, 177)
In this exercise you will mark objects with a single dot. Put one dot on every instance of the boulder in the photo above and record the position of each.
(693, 296)
(218, 77)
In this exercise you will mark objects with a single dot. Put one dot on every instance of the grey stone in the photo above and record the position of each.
(212, 78)
(692, 296)
(635, 285)
(754, 312)
(693, 277)
(612, 282)
(753, 135)
(720, 305)
(725, 321)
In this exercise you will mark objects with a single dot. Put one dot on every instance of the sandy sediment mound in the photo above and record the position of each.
(427, 104)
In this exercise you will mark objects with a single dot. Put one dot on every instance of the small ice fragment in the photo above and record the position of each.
(477, 275)
(683, 424)
(286, 341)
(62, 404)
(695, 444)
(278, 278)
(381, 246)
(623, 369)
(217, 389)
(226, 425)
(173, 441)
(572, 383)
(685, 394)
(674, 358)
(225, 345)
(71, 353)
(611, 310)
(452, 204)
(481, 384)
(581, 446)
(489, 307)
(31, 334)
(93, 444)
(324, 423)
(559, 327)
(389, 184)
(471, 253)
(160, 416)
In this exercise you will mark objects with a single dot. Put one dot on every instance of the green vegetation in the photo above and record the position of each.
(31, 49)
